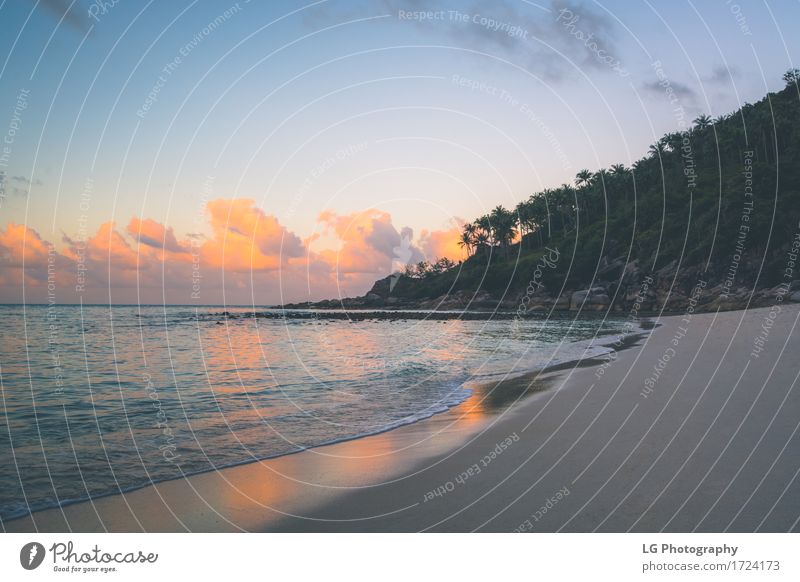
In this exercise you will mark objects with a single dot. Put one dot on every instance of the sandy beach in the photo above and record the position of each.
(694, 428)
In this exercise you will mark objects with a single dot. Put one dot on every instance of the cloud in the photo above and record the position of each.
(682, 90)
(367, 242)
(153, 234)
(439, 244)
(26, 259)
(19, 244)
(523, 33)
(20, 185)
(247, 256)
(70, 11)
(246, 239)
(721, 75)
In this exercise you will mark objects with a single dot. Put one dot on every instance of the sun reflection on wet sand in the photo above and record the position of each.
(256, 495)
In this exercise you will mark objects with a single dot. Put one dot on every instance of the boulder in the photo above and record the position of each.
(562, 302)
(594, 298)
(373, 299)
(632, 274)
(676, 302)
(612, 269)
(668, 271)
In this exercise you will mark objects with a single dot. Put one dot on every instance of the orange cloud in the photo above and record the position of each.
(437, 244)
(245, 238)
(248, 255)
(19, 242)
(24, 260)
(368, 242)
(154, 234)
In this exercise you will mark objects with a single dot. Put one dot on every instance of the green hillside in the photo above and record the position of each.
(713, 202)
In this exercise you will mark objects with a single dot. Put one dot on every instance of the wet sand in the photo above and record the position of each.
(691, 429)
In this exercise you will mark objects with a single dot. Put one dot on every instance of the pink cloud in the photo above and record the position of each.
(438, 244)
(248, 256)
(154, 234)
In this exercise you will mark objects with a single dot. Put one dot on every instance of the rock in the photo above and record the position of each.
(382, 287)
(373, 299)
(795, 297)
(594, 298)
(632, 274)
(563, 302)
(668, 271)
(611, 269)
(676, 302)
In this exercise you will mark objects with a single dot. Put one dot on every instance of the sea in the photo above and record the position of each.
(98, 400)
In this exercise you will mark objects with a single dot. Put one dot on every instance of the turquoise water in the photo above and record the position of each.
(98, 400)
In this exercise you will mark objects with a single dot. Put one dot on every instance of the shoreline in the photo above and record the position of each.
(380, 482)
(623, 341)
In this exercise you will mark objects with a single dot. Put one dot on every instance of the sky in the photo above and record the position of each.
(199, 152)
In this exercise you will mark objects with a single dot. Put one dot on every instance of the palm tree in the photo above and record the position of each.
(540, 217)
(600, 177)
(467, 238)
(619, 170)
(522, 210)
(564, 201)
(466, 241)
(657, 149)
(583, 178)
(484, 225)
(674, 141)
(503, 230)
(481, 241)
(620, 175)
(483, 234)
(702, 122)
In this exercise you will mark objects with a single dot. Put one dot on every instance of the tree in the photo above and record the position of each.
(657, 149)
(658, 228)
(442, 265)
(483, 227)
(481, 234)
(619, 170)
(502, 226)
(583, 178)
(526, 218)
(702, 122)
(620, 175)
(423, 269)
(467, 239)
(674, 141)
(791, 77)
(600, 177)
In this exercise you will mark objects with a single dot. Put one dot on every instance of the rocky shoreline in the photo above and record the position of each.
(619, 287)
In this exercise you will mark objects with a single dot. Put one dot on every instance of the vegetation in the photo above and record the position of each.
(425, 269)
(683, 202)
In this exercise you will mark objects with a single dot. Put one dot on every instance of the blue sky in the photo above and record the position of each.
(425, 120)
